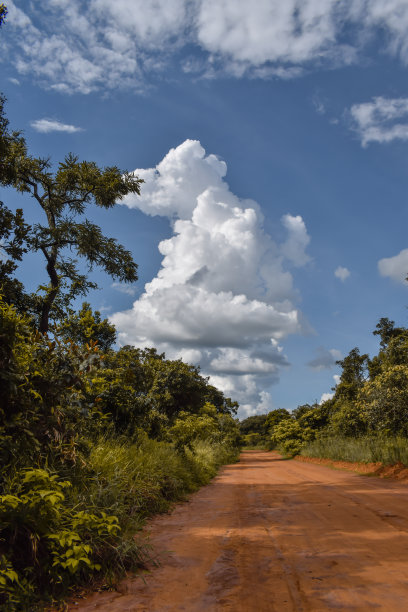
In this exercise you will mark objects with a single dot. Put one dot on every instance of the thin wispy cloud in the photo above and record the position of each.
(82, 47)
(124, 288)
(325, 359)
(381, 120)
(46, 126)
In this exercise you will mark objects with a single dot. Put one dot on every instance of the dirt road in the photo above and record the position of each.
(271, 535)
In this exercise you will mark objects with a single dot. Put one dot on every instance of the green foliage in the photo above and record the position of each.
(367, 419)
(86, 326)
(71, 500)
(253, 440)
(43, 395)
(365, 449)
(206, 425)
(92, 440)
(289, 437)
(141, 389)
(353, 375)
(63, 197)
(45, 543)
(348, 420)
(253, 424)
(276, 416)
(384, 401)
(3, 13)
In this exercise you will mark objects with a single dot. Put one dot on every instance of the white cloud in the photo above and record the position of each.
(224, 295)
(378, 121)
(395, 267)
(269, 30)
(14, 81)
(325, 359)
(327, 396)
(52, 125)
(124, 288)
(297, 241)
(82, 47)
(342, 273)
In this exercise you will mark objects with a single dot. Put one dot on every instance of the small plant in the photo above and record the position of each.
(47, 545)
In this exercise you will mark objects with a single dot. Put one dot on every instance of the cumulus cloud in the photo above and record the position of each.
(81, 47)
(380, 120)
(342, 273)
(52, 125)
(224, 294)
(395, 267)
(325, 359)
(297, 241)
(327, 396)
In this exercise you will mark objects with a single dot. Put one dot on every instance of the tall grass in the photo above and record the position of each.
(364, 449)
(133, 481)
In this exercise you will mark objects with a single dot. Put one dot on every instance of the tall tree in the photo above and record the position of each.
(353, 376)
(3, 13)
(64, 196)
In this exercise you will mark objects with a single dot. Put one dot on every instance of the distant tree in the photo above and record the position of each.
(353, 376)
(384, 401)
(3, 13)
(85, 326)
(301, 410)
(13, 245)
(253, 424)
(276, 416)
(386, 330)
(63, 196)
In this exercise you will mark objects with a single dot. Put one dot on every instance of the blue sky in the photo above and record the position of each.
(273, 140)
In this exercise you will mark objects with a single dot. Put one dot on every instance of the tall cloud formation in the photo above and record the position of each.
(223, 297)
(78, 46)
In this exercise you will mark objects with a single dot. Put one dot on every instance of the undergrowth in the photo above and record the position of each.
(365, 449)
(57, 534)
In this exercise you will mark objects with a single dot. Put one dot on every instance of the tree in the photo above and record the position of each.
(86, 326)
(274, 417)
(253, 424)
(386, 330)
(353, 375)
(3, 13)
(63, 197)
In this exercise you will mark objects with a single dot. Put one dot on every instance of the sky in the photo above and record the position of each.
(271, 229)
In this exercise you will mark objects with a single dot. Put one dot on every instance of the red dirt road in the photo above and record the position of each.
(271, 535)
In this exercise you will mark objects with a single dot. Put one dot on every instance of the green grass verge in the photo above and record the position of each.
(364, 449)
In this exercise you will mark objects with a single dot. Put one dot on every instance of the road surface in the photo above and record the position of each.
(272, 535)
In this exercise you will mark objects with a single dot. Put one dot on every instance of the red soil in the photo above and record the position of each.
(272, 535)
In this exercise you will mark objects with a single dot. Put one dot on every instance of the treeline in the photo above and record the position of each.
(365, 420)
(92, 439)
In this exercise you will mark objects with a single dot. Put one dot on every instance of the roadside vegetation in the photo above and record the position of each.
(93, 438)
(366, 419)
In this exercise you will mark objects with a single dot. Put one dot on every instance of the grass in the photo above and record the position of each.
(364, 449)
(129, 481)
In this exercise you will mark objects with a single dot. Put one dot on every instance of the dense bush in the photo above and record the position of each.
(367, 417)
(91, 443)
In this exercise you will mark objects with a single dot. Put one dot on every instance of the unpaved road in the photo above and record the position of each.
(272, 535)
